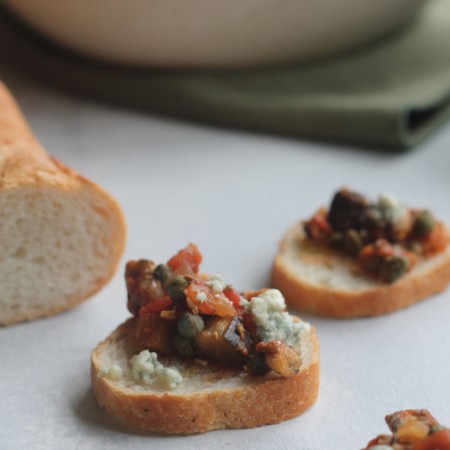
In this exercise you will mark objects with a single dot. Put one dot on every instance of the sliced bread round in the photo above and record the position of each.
(209, 397)
(317, 279)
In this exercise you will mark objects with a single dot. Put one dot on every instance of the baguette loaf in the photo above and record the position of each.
(61, 234)
(209, 398)
(321, 280)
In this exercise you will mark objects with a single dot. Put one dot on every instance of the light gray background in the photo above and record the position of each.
(233, 194)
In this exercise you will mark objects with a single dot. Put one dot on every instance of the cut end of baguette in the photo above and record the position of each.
(209, 398)
(319, 280)
(61, 236)
(58, 248)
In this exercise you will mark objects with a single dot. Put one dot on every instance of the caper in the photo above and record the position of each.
(189, 325)
(184, 346)
(256, 365)
(352, 242)
(423, 223)
(175, 288)
(393, 268)
(161, 273)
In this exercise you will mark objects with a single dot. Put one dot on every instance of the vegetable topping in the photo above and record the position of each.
(182, 312)
(386, 238)
(412, 430)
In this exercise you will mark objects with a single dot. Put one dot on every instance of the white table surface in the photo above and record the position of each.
(233, 194)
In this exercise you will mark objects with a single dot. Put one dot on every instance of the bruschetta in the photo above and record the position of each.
(198, 355)
(362, 258)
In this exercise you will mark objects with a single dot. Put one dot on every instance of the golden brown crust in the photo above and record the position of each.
(243, 406)
(25, 164)
(375, 300)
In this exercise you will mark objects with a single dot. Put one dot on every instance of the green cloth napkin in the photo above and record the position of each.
(392, 94)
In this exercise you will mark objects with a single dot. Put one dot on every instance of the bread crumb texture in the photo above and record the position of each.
(55, 248)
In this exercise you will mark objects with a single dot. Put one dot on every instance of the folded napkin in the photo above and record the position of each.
(390, 94)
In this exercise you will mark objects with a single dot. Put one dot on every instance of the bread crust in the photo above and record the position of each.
(268, 401)
(24, 164)
(428, 277)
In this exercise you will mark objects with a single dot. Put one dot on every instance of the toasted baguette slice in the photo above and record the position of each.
(208, 398)
(61, 235)
(320, 280)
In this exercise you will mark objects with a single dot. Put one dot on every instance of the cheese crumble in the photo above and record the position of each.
(201, 296)
(216, 283)
(146, 369)
(395, 212)
(268, 311)
(113, 372)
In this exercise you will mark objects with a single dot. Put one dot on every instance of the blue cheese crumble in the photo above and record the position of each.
(273, 323)
(216, 283)
(201, 296)
(146, 369)
(394, 211)
(113, 372)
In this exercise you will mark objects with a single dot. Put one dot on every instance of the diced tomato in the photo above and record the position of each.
(248, 295)
(374, 441)
(318, 225)
(381, 248)
(186, 260)
(200, 298)
(436, 441)
(320, 221)
(233, 296)
(435, 241)
(248, 323)
(156, 306)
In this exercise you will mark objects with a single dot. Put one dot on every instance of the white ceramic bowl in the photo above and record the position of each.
(213, 33)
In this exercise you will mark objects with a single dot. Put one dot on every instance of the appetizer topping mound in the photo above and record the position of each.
(386, 238)
(180, 312)
(412, 430)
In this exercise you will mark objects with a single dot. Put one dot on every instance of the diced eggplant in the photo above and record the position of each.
(398, 419)
(184, 346)
(347, 210)
(141, 284)
(155, 334)
(239, 337)
(281, 358)
(257, 365)
(212, 342)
